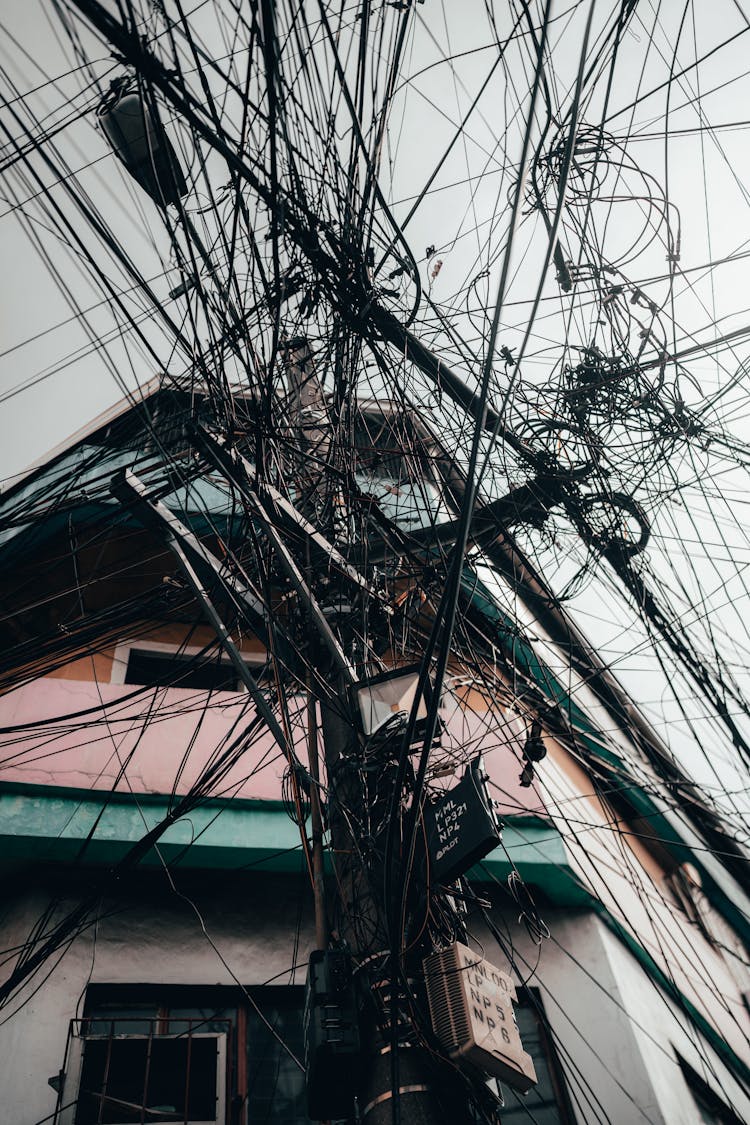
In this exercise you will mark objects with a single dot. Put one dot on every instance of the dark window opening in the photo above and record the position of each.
(148, 1078)
(713, 1110)
(275, 1084)
(547, 1103)
(151, 668)
(152, 1054)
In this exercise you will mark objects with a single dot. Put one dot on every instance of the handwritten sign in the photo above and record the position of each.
(471, 1006)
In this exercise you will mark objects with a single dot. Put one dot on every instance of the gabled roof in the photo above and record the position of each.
(144, 433)
(98, 422)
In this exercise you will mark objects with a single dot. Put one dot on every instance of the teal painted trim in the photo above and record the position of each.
(728, 1056)
(30, 538)
(51, 827)
(45, 824)
(536, 848)
(122, 797)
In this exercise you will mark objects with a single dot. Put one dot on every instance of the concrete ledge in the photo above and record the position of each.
(54, 825)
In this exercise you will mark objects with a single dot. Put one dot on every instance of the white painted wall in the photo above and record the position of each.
(669, 1034)
(155, 938)
(619, 1034)
(600, 1056)
(615, 1029)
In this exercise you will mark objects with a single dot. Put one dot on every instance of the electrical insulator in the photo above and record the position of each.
(141, 143)
(534, 749)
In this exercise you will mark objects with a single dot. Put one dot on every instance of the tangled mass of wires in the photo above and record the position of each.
(392, 294)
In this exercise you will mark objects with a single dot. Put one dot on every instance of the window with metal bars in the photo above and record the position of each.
(200, 1056)
(158, 1075)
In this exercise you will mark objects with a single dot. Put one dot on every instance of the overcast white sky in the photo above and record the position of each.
(41, 58)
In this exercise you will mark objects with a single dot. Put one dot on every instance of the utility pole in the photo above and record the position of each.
(396, 1083)
(357, 807)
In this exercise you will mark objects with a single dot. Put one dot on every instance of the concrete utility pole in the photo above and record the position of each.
(398, 1083)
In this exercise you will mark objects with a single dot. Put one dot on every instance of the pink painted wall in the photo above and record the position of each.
(165, 737)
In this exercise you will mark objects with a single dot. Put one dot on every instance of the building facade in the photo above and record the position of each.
(157, 916)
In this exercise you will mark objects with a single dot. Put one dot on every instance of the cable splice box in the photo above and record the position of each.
(462, 827)
(471, 1009)
(331, 1027)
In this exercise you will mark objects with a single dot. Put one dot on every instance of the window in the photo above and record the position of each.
(156, 665)
(169, 669)
(158, 1075)
(548, 1102)
(200, 1056)
(275, 1084)
(394, 467)
(685, 885)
